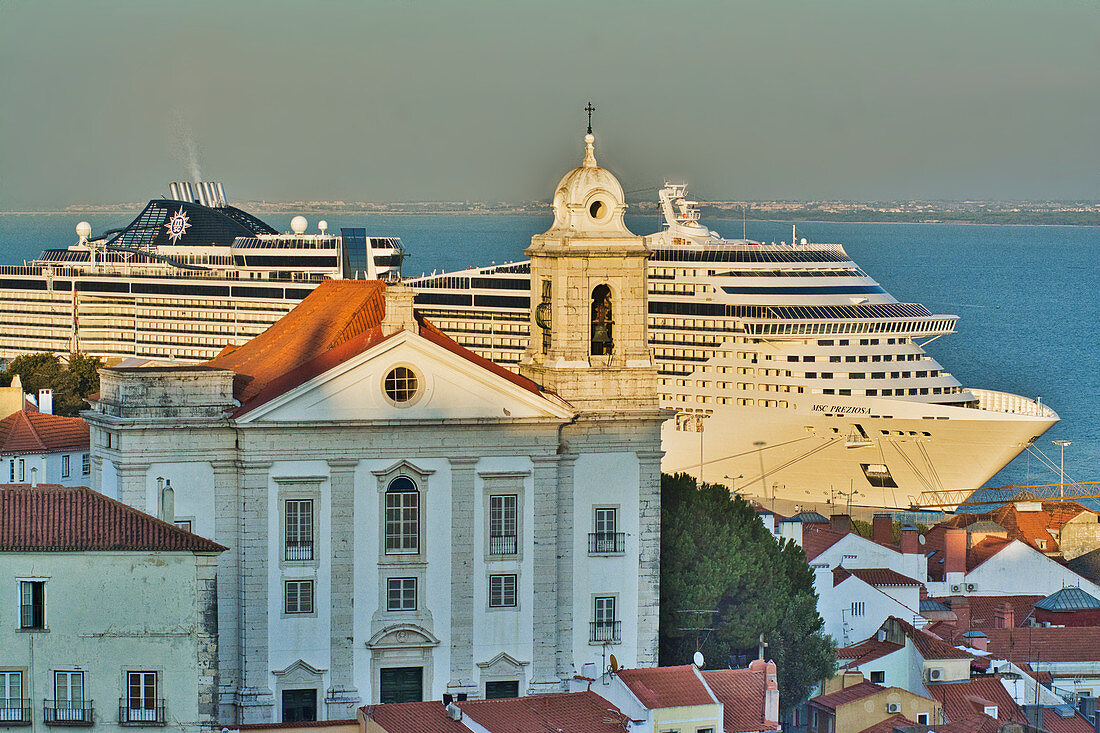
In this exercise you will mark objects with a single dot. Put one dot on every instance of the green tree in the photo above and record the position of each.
(725, 581)
(71, 384)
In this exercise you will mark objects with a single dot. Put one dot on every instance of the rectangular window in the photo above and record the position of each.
(607, 538)
(299, 529)
(857, 608)
(141, 705)
(65, 468)
(502, 591)
(503, 526)
(401, 594)
(184, 524)
(501, 688)
(68, 702)
(922, 718)
(298, 596)
(402, 518)
(605, 628)
(22, 470)
(878, 677)
(13, 709)
(11, 471)
(86, 464)
(32, 604)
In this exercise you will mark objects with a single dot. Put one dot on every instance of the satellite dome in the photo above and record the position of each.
(322, 225)
(298, 224)
(83, 230)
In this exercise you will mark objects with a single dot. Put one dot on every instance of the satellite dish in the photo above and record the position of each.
(322, 225)
(298, 224)
(697, 659)
(614, 664)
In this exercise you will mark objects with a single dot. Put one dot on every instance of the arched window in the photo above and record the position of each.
(402, 517)
(602, 321)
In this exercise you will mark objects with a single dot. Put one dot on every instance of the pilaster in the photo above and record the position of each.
(565, 654)
(544, 665)
(342, 697)
(131, 486)
(462, 576)
(254, 696)
(227, 531)
(649, 552)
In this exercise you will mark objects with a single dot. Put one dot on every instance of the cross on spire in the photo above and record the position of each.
(590, 109)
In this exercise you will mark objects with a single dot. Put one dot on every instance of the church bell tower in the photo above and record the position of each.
(589, 281)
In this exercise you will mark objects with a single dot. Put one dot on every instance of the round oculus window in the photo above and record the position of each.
(597, 209)
(401, 385)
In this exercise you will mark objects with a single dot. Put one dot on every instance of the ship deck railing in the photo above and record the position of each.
(1012, 404)
(148, 272)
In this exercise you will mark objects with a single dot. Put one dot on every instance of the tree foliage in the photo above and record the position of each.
(71, 384)
(725, 581)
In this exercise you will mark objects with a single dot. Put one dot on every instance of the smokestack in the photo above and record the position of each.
(200, 189)
(222, 200)
(188, 192)
(954, 545)
(882, 529)
(45, 401)
(174, 191)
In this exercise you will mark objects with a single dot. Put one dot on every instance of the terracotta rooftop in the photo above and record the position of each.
(888, 725)
(51, 518)
(1046, 643)
(927, 645)
(976, 723)
(741, 692)
(961, 700)
(867, 651)
(1026, 526)
(818, 538)
(983, 608)
(337, 321)
(571, 712)
(833, 700)
(874, 576)
(29, 431)
(665, 687)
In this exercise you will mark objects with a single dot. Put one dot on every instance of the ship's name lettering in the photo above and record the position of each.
(843, 409)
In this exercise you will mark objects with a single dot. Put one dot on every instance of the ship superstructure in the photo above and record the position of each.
(793, 373)
(188, 276)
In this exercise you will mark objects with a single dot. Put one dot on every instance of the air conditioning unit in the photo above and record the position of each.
(971, 587)
(935, 674)
(893, 707)
(956, 588)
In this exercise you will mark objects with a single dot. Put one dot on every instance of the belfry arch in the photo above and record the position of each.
(602, 337)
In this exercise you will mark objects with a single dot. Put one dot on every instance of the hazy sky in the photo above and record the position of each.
(398, 101)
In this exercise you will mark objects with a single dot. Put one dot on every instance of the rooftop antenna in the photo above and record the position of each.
(589, 109)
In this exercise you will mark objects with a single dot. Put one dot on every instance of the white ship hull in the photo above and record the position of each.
(818, 456)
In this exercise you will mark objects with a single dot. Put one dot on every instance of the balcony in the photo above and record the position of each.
(141, 712)
(503, 544)
(14, 711)
(606, 543)
(68, 712)
(298, 550)
(605, 632)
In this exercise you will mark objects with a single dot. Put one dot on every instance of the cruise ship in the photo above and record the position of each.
(793, 373)
(189, 275)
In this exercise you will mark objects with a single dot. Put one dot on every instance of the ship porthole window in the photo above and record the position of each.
(597, 209)
(401, 385)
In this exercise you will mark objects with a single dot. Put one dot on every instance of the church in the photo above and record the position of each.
(406, 519)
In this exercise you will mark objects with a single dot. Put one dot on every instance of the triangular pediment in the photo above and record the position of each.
(448, 386)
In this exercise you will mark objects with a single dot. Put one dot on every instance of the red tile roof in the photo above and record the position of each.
(1048, 643)
(982, 609)
(927, 645)
(337, 321)
(666, 687)
(984, 550)
(858, 691)
(816, 539)
(51, 518)
(1027, 526)
(867, 651)
(976, 723)
(741, 692)
(874, 576)
(1055, 723)
(571, 712)
(37, 432)
(961, 700)
(888, 725)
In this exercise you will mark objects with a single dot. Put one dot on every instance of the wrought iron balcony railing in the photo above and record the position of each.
(68, 712)
(141, 712)
(605, 631)
(298, 550)
(503, 544)
(15, 711)
(606, 543)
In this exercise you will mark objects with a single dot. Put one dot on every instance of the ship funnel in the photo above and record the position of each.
(200, 188)
(222, 200)
(188, 193)
(174, 191)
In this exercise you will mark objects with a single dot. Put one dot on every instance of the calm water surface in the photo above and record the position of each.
(1026, 296)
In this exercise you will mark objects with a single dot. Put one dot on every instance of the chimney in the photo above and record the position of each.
(882, 529)
(1004, 616)
(840, 523)
(45, 401)
(976, 640)
(910, 544)
(399, 310)
(961, 608)
(771, 693)
(954, 546)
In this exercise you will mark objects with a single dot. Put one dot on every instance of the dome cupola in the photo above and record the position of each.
(589, 199)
